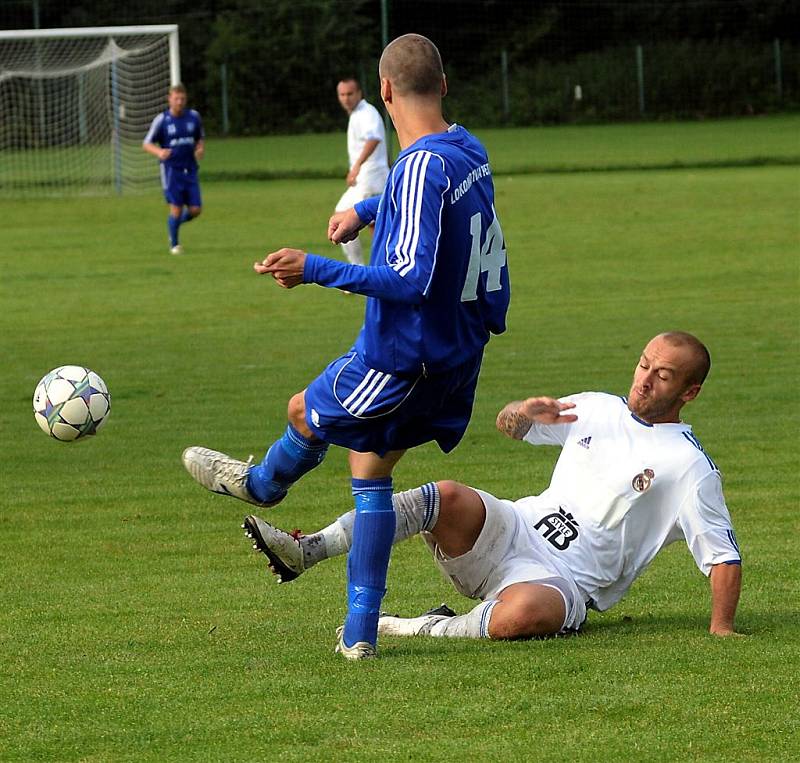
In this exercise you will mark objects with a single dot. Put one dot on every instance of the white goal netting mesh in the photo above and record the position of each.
(73, 112)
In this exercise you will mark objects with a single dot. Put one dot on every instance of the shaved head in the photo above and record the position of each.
(701, 359)
(413, 65)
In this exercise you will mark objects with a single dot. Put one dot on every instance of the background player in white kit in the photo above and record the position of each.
(366, 151)
(631, 478)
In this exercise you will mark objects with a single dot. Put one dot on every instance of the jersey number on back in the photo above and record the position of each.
(489, 258)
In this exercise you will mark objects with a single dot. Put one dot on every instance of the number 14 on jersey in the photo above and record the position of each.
(489, 258)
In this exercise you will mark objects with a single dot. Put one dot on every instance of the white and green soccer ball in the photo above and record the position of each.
(71, 402)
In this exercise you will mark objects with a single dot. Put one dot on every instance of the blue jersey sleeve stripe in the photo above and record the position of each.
(408, 198)
(411, 212)
(439, 226)
(415, 221)
(405, 205)
(401, 207)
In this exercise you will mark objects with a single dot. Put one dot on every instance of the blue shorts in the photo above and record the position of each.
(181, 186)
(354, 406)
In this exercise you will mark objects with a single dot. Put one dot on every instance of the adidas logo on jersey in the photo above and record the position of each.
(584, 443)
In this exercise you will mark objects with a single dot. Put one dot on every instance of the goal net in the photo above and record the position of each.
(75, 105)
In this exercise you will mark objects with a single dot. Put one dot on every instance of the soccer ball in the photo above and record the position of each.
(70, 402)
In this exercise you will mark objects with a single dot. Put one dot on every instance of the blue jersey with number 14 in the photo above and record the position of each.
(436, 228)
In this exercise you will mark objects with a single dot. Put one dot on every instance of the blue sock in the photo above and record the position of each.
(288, 459)
(173, 223)
(185, 217)
(368, 560)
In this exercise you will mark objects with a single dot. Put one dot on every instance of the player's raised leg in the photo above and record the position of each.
(291, 456)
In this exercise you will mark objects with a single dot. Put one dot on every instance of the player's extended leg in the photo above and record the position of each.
(521, 611)
(448, 510)
(291, 456)
(368, 559)
(173, 224)
(290, 554)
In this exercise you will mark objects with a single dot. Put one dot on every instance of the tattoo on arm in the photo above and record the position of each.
(511, 422)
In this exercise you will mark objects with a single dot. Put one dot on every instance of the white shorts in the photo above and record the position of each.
(508, 551)
(360, 191)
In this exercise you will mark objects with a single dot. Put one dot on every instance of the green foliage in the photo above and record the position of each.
(136, 625)
(695, 79)
(318, 42)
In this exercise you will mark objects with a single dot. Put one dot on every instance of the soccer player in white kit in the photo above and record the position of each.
(631, 479)
(366, 151)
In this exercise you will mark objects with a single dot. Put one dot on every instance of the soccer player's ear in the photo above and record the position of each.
(690, 393)
(444, 85)
(386, 90)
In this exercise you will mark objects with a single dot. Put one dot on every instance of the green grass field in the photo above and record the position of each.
(137, 625)
(732, 142)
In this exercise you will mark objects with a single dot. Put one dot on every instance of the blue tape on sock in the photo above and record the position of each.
(368, 560)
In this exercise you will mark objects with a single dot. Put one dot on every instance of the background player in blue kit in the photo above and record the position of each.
(437, 288)
(177, 139)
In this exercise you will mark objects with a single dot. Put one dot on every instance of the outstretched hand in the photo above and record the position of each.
(344, 226)
(286, 267)
(547, 410)
(517, 417)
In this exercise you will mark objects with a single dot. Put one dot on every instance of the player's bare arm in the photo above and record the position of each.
(726, 584)
(368, 150)
(286, 267)
(200, 150)
(344, 226)
(518, 416)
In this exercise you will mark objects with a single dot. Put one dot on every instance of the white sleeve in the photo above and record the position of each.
(706, 524)
(371, 126)
(554, 434)
(154, 127)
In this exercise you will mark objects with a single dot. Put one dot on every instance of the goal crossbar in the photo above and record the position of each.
(74, 33)
(75, 104)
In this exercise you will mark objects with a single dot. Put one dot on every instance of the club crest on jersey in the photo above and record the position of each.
(559, 529)
(642, 481)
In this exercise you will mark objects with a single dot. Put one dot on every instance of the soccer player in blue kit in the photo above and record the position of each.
(177, 139)
(437, 287)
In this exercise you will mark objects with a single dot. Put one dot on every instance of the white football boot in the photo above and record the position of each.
(222, 474)
(281, 548)
(361, 650)
(390, 625)
(177, 249)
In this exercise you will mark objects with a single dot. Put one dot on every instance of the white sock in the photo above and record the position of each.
(415, 510)
(352, 250)
(475, 624)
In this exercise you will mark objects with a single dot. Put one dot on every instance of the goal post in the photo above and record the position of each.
(75, 105)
